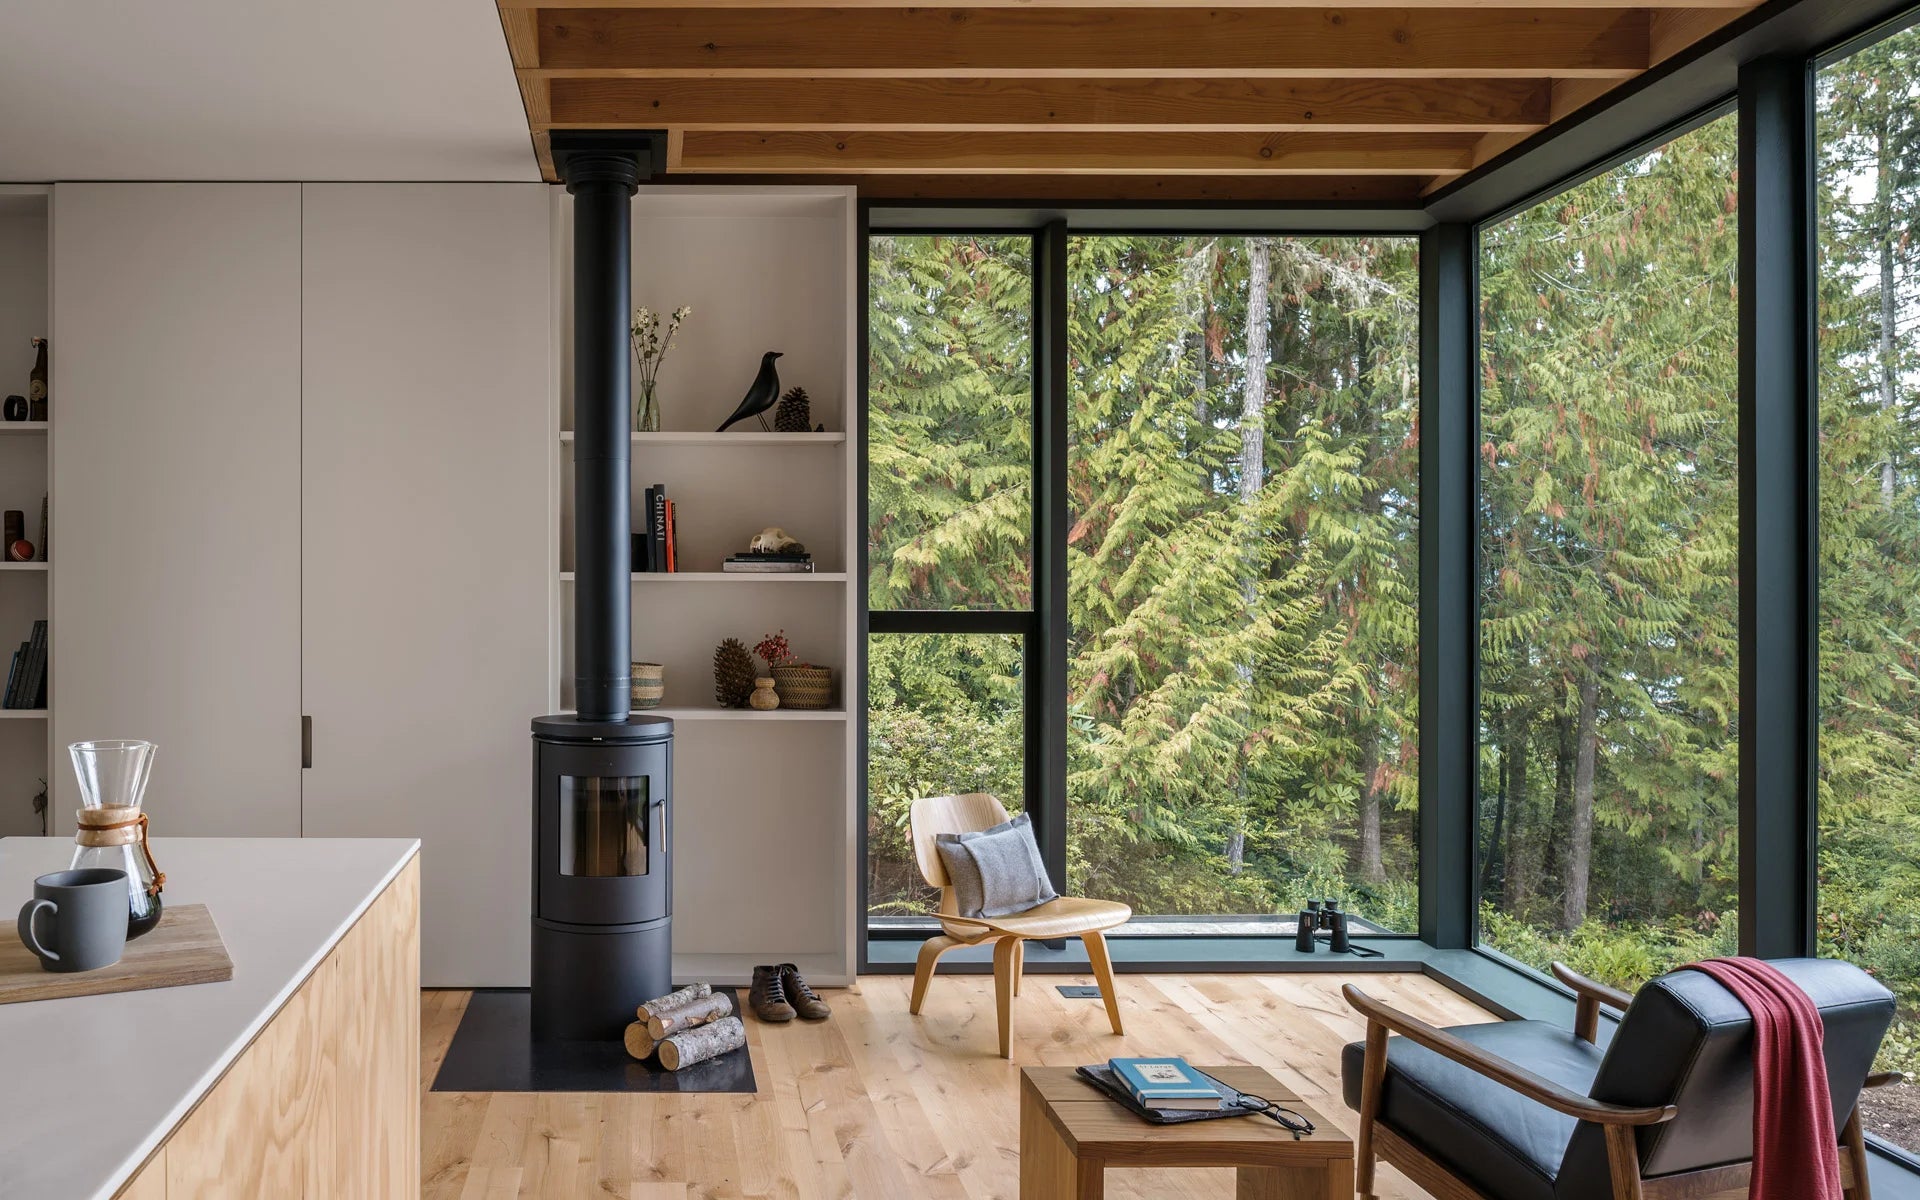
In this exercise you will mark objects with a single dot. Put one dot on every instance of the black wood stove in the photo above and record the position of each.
(602, 873)
(602, 779)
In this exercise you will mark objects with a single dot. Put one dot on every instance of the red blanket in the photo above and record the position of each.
(1793, 1138)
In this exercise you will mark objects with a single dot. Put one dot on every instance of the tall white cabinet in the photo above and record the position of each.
(425, 541)
(177, 506)
(303, 472)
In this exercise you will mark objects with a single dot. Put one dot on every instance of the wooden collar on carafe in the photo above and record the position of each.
(118, 825)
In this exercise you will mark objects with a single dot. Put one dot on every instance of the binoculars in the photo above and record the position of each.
(1321, 915)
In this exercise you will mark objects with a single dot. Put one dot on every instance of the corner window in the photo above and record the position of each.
(1609, 665)
(1868, 142)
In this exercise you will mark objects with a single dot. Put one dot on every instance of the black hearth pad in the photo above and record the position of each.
(493, 1051)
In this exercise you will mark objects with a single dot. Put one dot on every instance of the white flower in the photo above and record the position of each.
(649, 345)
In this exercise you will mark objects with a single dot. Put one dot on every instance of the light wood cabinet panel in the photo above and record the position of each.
(267, 1128)
(176, 511)
(377, 1106)
(427, 462)
(326, 1101)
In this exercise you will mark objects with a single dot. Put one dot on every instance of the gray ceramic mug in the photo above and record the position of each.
(77, 920)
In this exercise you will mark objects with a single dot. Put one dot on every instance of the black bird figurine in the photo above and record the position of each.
(763, 395)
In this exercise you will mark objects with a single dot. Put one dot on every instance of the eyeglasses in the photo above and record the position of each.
(1286, 1118)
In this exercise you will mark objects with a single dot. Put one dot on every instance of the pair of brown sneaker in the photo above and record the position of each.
(779, 993)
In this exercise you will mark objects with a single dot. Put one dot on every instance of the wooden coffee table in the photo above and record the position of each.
(1070, 1134)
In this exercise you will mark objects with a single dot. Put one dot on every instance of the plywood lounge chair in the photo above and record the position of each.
(1068, 916)
(1529, 1110)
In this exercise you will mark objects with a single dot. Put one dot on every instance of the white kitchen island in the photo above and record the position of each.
(299, 1077)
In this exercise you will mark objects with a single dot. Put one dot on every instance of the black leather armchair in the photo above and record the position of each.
(1661, 1110)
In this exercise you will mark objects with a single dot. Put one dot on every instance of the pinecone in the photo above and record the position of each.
(732, 673)
(792, 416)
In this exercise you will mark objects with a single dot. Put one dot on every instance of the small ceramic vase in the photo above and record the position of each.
(764, 697)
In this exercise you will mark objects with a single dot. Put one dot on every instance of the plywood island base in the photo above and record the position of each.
(325, 1102)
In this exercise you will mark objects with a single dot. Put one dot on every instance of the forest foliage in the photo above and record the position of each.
(1243, 557)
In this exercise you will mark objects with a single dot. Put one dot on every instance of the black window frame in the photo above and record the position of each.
(1045, 627)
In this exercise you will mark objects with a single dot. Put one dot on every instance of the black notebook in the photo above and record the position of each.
(1103, 1078)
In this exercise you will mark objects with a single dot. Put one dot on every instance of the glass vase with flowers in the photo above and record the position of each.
(651, 338)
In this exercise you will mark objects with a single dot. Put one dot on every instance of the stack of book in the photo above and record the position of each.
(27, 678)
(771, 564)
(1166, 1084)
(655, 549)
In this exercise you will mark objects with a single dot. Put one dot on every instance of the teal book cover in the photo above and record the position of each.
(1159, 1080)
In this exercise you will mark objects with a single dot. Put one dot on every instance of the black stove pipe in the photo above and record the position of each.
(602, 186)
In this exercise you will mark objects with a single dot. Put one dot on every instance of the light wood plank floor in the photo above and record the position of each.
(878, 1105)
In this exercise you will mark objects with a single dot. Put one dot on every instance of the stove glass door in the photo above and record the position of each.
(603, 826)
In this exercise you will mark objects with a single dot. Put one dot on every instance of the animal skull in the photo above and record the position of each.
(774, 540)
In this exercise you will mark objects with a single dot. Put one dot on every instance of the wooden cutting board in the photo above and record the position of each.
(185, 947)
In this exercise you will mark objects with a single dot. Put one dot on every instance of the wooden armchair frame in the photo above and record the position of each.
(1068, 916)
(1377, 1141)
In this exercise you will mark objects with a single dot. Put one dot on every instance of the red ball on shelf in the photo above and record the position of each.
(20, 551)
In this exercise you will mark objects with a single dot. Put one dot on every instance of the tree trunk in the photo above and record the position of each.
(1580, 833)
(1253, 410)
(1517, 888)
(1883, 235)
(1371, 870)
(1253, 454)
(1494, 848)
(1559, 817)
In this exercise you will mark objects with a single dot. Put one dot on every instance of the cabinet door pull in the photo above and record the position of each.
(306, 741)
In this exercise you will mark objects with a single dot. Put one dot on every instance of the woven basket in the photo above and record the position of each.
(804, 687)
(648, 685)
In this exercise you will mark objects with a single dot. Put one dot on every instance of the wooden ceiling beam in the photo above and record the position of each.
(522, 28)
(1148, 189)
(1079, 153)
(1034, 105)
(1106, 42)
(1668, 33)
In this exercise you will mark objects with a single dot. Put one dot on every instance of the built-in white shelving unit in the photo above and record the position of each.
(731, 577)
(732, 437)
(713, 712)
(25, 477)
(757, 795)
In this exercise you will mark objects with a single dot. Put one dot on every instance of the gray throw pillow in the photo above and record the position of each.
(995, 872)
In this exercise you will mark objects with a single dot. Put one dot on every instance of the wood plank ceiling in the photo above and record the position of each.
(1072, 99)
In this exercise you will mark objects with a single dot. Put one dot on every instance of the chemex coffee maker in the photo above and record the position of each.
(110, 827)
(1322, 916)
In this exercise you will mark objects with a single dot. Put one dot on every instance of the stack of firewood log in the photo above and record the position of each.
(685, 1027)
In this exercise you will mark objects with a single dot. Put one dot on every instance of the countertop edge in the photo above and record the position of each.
(125, 1172)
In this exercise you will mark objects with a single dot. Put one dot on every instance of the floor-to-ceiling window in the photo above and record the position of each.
(1240, 546)
(949, 537)
(1868, 146)
(1608, 542)
(1242, 574)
